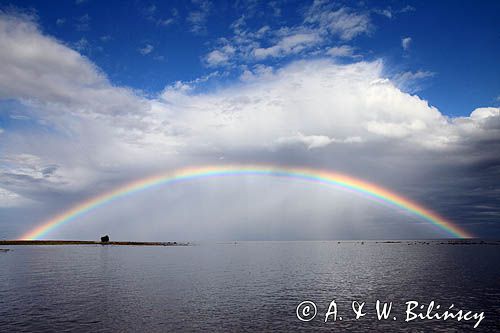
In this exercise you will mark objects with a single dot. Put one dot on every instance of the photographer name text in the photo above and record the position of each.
(414, 311)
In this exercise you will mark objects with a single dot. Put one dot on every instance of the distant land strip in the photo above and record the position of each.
(79, 242)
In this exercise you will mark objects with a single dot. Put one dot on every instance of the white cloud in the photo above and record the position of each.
(105, 38)
(82, 45)
(413, 75)
(384, 12)
(407, 9)
(288, 45)
(83, 23)
(411, 81)
(25, 51)
(66, 95)
(166, 22)
(314, 141)
(310, 141)
(198, 17)
(27, 165)
(152, 14)
(342, 22)
(11, 199)
(323, 23)
(318, 97)
(220, 56)
(34, 67)
(258, 71)
(147, 49)
(341, 51)
(216, 57)
(391, 12)
(405, 43)
(485, 113)
(274, 5)
(395, 130)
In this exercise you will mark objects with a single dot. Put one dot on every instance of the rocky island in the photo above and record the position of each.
(104, 241)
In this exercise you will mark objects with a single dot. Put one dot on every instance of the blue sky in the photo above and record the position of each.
(454, 45)
(402, 94)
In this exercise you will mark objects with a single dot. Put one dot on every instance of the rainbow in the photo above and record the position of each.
(311, 175)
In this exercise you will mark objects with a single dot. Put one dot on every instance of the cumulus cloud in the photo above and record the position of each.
(38, 68)
(300, 97)
(63, 95)
(88, 135)
(487, 118)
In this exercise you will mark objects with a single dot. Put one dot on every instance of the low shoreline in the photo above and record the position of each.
(361, 242)
(79, 242)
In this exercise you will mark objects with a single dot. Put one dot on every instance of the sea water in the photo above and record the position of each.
(248, 286)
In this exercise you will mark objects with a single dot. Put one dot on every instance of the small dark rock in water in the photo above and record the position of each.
(4, 250)
(105, 239)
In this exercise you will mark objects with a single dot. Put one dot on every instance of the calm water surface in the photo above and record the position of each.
(249, 286)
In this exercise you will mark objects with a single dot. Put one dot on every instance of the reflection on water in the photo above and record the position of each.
(250, 286)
